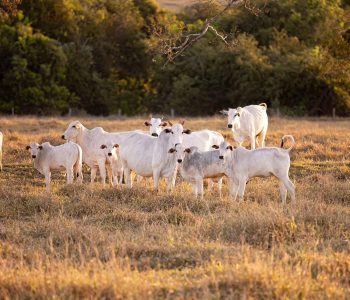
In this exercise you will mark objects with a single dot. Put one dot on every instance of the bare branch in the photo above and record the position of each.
(175, 46)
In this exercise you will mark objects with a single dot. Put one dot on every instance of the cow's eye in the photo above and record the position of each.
(74, 126)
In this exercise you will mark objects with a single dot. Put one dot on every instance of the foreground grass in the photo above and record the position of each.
(96, 242)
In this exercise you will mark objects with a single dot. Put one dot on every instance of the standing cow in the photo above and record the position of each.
(249, 122)
(90, 140)
(148, 156)
(66, 157)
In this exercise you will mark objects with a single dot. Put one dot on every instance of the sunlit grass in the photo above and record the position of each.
(99, 242)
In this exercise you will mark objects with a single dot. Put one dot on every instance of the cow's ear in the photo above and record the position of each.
(27, 147)
(215, 146)
(147, 123)
(40, 147)
(188, 150)
(78, 125)
(230, 148)
(163, 124)
(182, 122)
(103, 147)
(187, 131)
(167, 130)
(171, 150)
(224, 112)
(116, 146)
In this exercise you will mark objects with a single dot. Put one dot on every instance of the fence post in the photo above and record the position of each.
(13, 111)
(278, 112)
(172, 113)
(333, 112)
(119, 113)
(69, 112)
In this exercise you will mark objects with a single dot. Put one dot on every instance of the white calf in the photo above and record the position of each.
(248, 122)
(242, 164)
(197, 165)
(1, 141)
(67, 157)
(113, 163)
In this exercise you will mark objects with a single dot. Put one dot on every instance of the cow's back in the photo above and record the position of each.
(259, 116)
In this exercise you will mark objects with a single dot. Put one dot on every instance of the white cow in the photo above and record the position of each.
(113, 163)
(242, 164)
(149, 156)
(90, 140)
(197, 165)
(248, 122)
(66, 157)
(202, 139)
(1, 141)
(156, 125)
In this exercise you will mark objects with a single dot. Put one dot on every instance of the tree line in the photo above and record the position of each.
(104, 56)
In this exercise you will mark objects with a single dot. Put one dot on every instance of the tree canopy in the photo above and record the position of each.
(103, 56)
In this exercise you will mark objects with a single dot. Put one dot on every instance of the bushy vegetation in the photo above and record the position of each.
(102, 56)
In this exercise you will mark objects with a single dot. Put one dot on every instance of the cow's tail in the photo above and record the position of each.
(264, 105)
(291, 138)
(78, 167)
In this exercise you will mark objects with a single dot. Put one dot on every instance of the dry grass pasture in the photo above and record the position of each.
(175, 5)
(99, 242)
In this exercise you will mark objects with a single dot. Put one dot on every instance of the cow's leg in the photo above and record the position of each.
(220, 187)
(115, 176)
(127, 177)
(290, 187)
(102, 168)
(252, 141)
(93, 174)
(283, 192)
(156, 177)
(109, 173)
(241, 189)
(262, 137)
(233, 187)
(194, 189)
(70, 174)
(200, 187)
(47, 180)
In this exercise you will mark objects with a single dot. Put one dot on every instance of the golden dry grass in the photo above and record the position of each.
(176, 5)
(96, 242)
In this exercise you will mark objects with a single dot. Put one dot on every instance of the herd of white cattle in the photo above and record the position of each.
(168, 148)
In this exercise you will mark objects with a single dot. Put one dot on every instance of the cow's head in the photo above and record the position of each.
(156, 126)
(34, 149)
(233, 117)
(176, 132)
(225, 149)
(179, 151)
(110, 150)
(72, 131)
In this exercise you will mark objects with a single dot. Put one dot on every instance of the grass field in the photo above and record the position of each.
(176, 5)
(99, 242)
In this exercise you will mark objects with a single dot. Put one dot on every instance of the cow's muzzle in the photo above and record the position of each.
(229, 125)
(179, 161)
(33, 156)
(221, 157)
(155, 134)
(63, 137)
(109, 154)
